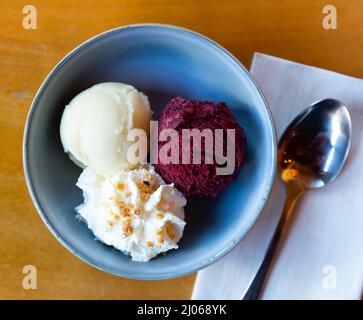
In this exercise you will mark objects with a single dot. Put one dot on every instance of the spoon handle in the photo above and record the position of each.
(293, 193)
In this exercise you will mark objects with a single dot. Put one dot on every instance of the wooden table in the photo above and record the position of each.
(290, 29)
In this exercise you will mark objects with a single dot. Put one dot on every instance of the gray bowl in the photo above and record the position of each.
(163, 62)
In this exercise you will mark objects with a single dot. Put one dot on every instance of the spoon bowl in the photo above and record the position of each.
(315, 145)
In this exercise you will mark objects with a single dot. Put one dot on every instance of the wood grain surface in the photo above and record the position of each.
(289, 29)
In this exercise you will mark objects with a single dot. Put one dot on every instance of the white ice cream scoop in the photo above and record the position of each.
(96, 122)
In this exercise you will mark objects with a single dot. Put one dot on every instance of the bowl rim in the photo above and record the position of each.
(69, 246)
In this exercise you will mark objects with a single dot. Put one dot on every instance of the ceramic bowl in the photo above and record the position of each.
(163, 62)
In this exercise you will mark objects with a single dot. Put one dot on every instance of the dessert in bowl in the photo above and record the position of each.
(162, 62)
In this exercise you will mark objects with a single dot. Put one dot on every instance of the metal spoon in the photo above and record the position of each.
(311, 153)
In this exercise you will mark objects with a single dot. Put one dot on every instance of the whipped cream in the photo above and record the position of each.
(134, 211)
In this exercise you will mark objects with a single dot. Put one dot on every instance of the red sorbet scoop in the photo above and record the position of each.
(199, 180)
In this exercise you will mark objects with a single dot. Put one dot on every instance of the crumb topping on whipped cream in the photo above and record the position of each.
(135, 211)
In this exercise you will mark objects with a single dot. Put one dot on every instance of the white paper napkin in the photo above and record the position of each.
(322, 252)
